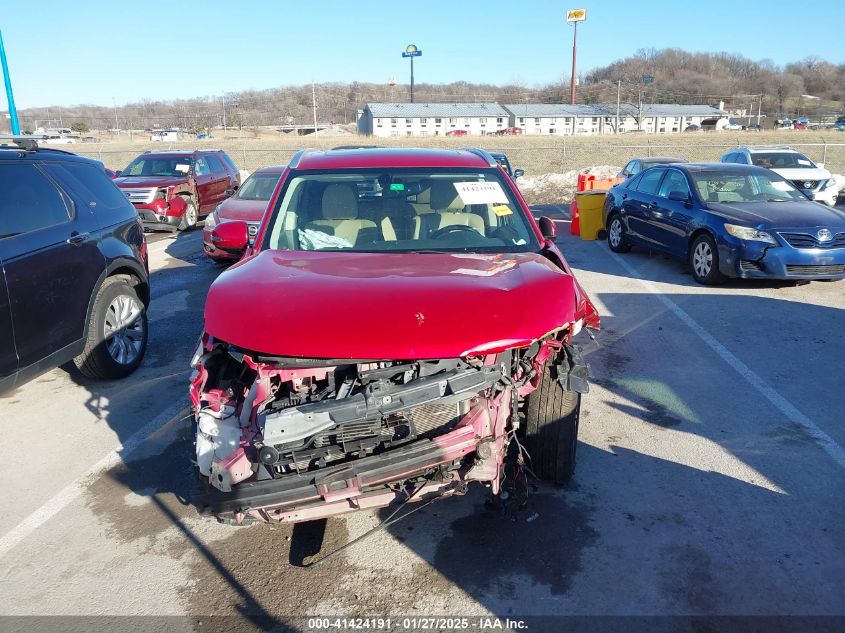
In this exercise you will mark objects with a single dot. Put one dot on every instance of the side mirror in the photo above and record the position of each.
(679, 196)
(230, 236)
(820, 165)
(517, 173)
(548, 229)
(230, 192)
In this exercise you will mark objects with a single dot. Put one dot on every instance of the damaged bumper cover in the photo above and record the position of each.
(283, 441)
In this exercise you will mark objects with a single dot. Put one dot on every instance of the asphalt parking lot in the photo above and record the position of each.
(710, 480)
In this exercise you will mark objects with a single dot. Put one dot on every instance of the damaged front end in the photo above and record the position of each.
(292, 439)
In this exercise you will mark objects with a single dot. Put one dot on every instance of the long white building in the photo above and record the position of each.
(431, 119)
(438, 119)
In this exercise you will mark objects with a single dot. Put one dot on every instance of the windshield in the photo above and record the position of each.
(158, 166)
(781, 160)
(400, 210)
(717, 186)
(258, 187)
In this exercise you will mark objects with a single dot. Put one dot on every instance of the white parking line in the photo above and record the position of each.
(778, 401)
(74, 490)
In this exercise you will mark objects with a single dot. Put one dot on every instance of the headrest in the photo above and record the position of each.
(445, 196)
(340, 202)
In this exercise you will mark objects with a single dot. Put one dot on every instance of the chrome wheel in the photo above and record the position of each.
(124, 329)
(702, 259)
(615, 233)
(190, 216)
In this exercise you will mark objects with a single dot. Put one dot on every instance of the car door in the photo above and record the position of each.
(671, 219)
(220, 180)
(50, 261)
(8, 353)
(638, 203)
(204, 181)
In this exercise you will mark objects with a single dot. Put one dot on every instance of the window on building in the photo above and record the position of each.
(438, 121)
(482, 119)
(393, 122)
(522, 120)
(595, 120)
(378, 121)
(500, 120)
(537, 120)
(453, 121)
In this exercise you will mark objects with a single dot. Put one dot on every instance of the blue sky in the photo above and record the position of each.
(63, 53)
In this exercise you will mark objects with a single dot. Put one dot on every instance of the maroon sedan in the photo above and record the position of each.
(247, 204)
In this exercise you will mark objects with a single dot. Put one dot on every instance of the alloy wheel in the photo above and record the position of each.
(702, 259)
(124, 329)
(615, 233)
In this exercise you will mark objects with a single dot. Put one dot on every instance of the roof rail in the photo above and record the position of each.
(358, 147)
(21, 142)
(483, 153)
(294, 160)
(756, 147)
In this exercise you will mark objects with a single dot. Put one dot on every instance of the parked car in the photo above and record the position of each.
(732, 124)
(247, 204)
(692, 127)
(636, 165)
(727, 220)
(510, 131)
(456, 133)
(754, 127)
(813, 179)
(783, 124)
(74, 263)
(503, 160)
(172, 190)
(799, 126)
(348, 362)
(56, 139)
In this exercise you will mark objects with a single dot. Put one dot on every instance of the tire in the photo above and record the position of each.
(190, 217)
(616, 235)
(704, 261)
(118, 309)
(551, 429)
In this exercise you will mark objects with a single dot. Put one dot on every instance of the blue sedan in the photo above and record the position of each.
(727, 221)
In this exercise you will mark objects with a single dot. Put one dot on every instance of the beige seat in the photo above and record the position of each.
(448, 209)
(340, 213)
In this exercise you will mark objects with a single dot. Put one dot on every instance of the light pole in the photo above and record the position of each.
(412, 51)
(13, 112)
(574, 16)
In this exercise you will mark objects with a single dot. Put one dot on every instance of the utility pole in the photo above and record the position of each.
(618, 101)
(13, 112)
(574, 16)
(314, 107)
(223, 97)
(114, 107)
(759, 109)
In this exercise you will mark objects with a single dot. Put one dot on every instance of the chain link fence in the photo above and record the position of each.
(534, 160)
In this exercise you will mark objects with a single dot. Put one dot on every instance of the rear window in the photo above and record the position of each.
(648, 183)
(89, 184)
(781, 160)
(30, 201)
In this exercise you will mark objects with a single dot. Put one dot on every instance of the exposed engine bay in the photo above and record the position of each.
(289, 439)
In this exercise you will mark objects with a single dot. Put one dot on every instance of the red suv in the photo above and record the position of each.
(172, 190)
(397, 313)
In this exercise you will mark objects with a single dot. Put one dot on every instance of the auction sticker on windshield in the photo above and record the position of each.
(481, 192)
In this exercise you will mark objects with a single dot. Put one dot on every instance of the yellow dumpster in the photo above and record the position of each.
(590, 206)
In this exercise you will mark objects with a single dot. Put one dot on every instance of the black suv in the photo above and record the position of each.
(74, 278)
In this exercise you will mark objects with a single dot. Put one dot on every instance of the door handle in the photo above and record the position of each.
(76, 239)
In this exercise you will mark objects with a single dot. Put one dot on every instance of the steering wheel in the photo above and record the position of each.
(452, 228)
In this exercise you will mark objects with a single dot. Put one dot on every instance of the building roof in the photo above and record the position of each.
(420, 110)
(607, 109)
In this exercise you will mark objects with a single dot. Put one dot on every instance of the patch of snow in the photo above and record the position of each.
(560, 188)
